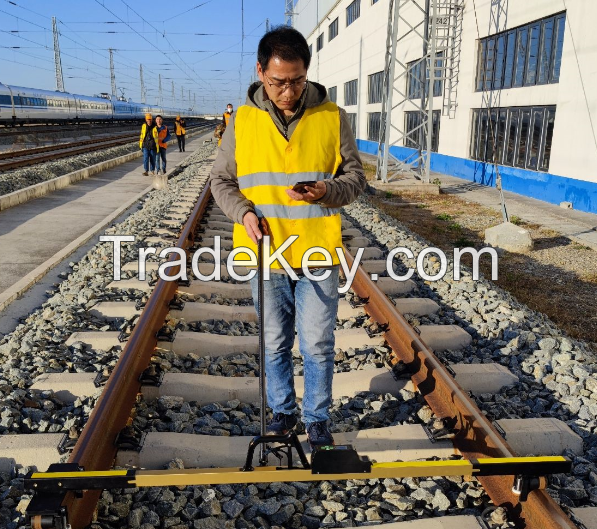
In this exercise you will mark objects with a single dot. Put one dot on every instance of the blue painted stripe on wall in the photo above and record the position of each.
(542, 186)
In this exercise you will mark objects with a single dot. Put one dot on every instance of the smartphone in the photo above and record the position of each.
(299, 187)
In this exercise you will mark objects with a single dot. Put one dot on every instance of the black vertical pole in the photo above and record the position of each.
(260, 301)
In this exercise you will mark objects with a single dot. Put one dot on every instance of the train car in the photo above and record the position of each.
(94, 108)
(20, 105)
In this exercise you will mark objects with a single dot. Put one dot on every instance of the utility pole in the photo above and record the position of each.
(57, 60)
(142, 84)
(112, 75)
(289, 12)
(189, 96)
(267, 25)
(173, 94)
(160, 89)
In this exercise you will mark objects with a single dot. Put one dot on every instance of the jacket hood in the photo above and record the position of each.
(314, 95)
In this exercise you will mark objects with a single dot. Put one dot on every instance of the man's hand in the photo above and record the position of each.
(313, 194)
(251, 224)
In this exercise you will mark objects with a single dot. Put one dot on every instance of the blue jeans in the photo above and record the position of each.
(161, 156)
(312, 307)
(148, 158)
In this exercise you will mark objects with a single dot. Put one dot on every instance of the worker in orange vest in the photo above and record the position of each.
(225, 120)
(163, 138)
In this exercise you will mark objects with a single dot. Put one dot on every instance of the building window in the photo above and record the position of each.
(352, 119)
(415, 132)
(374, 2)
(516, 137)
(333, 93)
(414, 77)
(311, 50)
(320, 42)
(373, 125)
(375, 87)
(333, 30)
(350, 93)
(526, 56)
(353, 11)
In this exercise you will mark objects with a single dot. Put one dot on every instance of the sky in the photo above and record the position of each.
(195, 44)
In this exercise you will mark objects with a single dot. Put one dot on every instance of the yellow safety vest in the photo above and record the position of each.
(268, 164)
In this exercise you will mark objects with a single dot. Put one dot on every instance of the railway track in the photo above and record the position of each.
(179, 371)
(22, 158)
(8, 131)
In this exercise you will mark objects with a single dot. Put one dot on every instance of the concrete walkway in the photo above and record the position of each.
(34, 232)
(579, 226)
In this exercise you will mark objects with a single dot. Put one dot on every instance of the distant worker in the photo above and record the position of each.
(180, 132)
(225, 121)
(163, 139)
(149, 142)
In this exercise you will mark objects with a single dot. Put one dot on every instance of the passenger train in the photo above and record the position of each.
(20, 105)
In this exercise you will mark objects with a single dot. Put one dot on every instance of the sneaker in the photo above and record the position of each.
(281, 424)
(145, 173)
(319, 434)
(153, 173)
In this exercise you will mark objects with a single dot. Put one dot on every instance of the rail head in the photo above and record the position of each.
(96, 448)
(476, 436)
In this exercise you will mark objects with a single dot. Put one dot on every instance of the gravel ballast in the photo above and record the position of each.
(556, 378)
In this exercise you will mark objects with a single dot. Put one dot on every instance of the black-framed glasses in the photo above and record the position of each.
(281, 86)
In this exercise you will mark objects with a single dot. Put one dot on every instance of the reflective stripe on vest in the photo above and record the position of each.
(268, 164)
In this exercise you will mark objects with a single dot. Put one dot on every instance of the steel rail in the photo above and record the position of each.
(476, 435)
(96, 447)
(60, 146)
(23, 158)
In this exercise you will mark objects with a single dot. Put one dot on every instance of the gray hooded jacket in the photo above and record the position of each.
(348, 183)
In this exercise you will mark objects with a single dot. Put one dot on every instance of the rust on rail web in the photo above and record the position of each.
(96, 448)
(476, 435)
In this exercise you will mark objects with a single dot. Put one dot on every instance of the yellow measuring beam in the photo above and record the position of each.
(220, 476)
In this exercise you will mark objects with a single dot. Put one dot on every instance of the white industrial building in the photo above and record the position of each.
(528, 69)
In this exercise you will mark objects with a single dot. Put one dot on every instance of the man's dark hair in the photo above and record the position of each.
(229, 105)
(284, 42)
(159, 116)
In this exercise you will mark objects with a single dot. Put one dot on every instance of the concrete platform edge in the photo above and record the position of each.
(20, 287)
(43, 188)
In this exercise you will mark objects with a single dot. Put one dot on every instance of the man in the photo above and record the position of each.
(180, 132)
(287, 132)
(148, 142)
(163, 139)
(221, 127)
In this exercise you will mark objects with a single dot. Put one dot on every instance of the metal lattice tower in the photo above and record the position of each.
(173, 93)
(142, 84)
(491, 98)
(57, 60)
(432, 23)
(112, 75)
(267, 26)
(160, 97)
(289, 12)
(182, 93)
